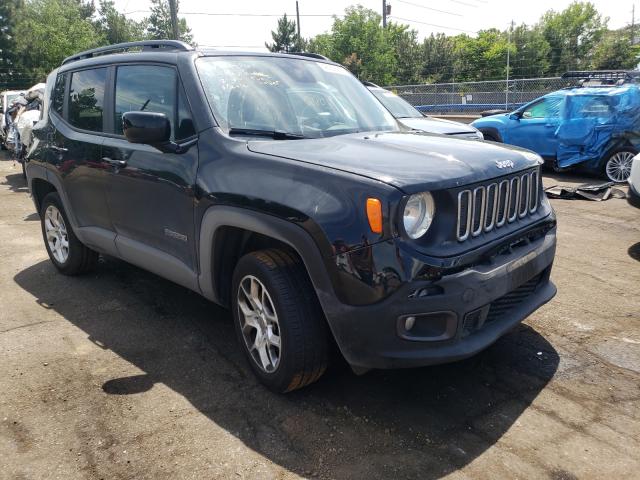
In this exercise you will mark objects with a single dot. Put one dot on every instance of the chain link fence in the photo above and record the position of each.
(476, 97)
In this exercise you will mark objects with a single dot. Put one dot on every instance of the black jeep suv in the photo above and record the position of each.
(277, 185)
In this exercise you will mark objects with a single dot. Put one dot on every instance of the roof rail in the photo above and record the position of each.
(367, 83)
(605, 76)
(308, 54)
(145, 45)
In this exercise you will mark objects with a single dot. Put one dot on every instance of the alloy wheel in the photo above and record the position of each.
(56, 232)
(619, 166)
(259, 323)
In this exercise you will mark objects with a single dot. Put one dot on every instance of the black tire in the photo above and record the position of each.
(80, 259)
(617, 153)
(304, 352)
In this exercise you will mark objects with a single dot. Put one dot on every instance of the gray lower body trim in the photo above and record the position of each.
(157, 262)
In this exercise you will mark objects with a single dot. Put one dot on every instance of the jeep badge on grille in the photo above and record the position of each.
(504, 163)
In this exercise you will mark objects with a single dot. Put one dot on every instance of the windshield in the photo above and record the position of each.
(300, 97)
(398, 107)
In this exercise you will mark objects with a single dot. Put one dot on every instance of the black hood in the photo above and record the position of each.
(409, 161)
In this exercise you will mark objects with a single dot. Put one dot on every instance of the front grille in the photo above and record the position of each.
(492, 205)
(502, 305)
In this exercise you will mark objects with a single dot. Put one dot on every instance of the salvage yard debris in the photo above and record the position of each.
(597, 192)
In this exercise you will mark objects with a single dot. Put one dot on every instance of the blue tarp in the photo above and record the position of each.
(591, 119)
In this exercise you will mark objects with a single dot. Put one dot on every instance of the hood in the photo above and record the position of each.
(436, 125)
(409, 161)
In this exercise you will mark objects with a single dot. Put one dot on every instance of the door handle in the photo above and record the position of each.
(115, 163)
(58, 149)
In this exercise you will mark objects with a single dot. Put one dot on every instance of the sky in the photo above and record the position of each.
(448, 16)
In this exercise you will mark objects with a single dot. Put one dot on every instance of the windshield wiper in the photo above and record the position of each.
(276, 134)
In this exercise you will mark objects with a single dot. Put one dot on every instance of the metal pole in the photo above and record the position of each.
(174, 19)
(298, 21)
(506, 92)
(384, 13)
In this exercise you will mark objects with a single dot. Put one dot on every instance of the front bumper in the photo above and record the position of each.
(459, 315)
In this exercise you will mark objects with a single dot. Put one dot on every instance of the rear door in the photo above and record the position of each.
(151, 194)
(536, 127)
(75, 146)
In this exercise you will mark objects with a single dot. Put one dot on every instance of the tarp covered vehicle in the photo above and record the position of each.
(597, 128)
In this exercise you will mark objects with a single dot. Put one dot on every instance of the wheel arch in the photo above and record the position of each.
(41, 181)
(491, 131)
(228, 232)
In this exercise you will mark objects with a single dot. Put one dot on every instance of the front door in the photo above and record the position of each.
(151, 194)
(536, 127)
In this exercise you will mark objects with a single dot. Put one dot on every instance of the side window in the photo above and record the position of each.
(145, 88)
(57, 96)
(86, 107)
(545, 108)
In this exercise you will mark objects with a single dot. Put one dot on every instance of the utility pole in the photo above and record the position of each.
(506, 90)
(174, 19)
(384, 13)
(633, 24)
(298, 22)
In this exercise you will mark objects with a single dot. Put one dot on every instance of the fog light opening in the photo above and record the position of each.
(409, 322)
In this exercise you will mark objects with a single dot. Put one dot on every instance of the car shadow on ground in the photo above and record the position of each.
(16, 183)
(413, 423)
(634, 251)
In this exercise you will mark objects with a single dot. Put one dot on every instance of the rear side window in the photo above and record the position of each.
(86, 103)
(57, 97)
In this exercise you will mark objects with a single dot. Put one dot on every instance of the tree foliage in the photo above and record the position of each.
(114, 27)
(159, 23)
(574, 38)
(285, 37)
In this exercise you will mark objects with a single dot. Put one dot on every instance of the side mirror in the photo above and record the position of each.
(515, 116)
(146, 127)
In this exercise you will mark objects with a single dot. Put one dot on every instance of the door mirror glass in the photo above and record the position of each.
(149, 128)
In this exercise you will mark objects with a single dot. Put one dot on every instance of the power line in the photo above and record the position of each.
(434, 25)
(472, 5)
(430, 8)
(210, 14)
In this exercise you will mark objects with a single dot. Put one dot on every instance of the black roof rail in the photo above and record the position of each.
(145, 45)
(605, 76)
(367, 83)
(309, 54)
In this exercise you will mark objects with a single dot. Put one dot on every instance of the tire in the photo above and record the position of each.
(303, 352)
(79, 258)
(617, 164)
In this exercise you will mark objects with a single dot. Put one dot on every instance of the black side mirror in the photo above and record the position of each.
(146, 127)
(515, 115)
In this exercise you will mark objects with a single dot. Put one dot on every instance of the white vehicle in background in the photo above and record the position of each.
(413, 118)
(634, 182)
(6, 99)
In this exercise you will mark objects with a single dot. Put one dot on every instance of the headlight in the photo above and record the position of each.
(418, 214)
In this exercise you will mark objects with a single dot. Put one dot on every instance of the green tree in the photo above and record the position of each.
(159, 23)
(114, 27)
(407, 52)
(9, 73)
(438, 58)
(572, 36)
(47, 31)
(530, 52)
(361, 44)
(285, 37)
(616, 52)
(481, 58)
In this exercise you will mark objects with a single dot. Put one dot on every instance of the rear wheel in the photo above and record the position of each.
(278, 320)
(65, 251)
(617, 166)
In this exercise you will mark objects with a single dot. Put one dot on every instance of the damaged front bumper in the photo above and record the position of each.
(427, 322)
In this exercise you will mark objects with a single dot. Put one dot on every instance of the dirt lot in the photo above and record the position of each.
(121, 374)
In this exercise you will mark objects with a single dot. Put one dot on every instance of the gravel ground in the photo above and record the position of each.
(121, 374)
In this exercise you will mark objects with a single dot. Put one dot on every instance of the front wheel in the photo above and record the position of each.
(65, 251)
(617, 166)
(278, 320)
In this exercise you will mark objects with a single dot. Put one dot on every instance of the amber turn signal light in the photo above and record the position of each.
(374, 214)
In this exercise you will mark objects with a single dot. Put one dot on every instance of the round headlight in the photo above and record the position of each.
(418, 214)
